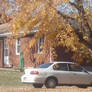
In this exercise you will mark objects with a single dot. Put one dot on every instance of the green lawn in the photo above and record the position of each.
(10, 78)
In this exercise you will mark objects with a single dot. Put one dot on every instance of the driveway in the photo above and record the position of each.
(58, 89)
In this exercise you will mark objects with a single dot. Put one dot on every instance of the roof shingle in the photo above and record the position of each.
(4, 28)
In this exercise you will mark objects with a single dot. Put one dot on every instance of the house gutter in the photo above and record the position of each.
(5, 34)
(22, 32)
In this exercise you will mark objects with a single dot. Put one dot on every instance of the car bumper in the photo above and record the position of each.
(32, 79)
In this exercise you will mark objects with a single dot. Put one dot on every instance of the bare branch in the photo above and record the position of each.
(79, 6)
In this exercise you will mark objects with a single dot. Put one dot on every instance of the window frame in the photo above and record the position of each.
(17, 45)
(40, 42)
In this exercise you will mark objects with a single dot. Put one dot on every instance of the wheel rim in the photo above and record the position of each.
(51, 83)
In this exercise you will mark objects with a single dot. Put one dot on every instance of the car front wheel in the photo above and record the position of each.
(38, 85)
(50, 83)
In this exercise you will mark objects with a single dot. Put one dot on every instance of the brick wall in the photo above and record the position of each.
(13, 58)
(29, 58)
(28, 52)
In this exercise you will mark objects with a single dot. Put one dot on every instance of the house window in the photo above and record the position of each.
(40, 42)
(18, 46)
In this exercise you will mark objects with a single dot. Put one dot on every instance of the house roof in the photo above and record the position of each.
(4, 28)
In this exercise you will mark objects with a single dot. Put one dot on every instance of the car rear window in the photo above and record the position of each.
(46, 65)
(60, 67)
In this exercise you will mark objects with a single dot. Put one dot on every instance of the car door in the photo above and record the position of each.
(61, 73)
(78, 75)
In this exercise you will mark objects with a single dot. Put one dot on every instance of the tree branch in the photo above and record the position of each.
(62, 14)
(80, 35)
(85, 42)
(79, 6)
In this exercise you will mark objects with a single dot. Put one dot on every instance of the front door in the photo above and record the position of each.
(6, 55)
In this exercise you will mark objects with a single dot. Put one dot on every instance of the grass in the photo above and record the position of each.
(10, 78)
(10, 82)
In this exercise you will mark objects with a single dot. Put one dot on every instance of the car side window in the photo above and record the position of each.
(60, 66)
(75, 67)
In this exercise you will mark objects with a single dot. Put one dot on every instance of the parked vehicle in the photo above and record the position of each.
(53, 74)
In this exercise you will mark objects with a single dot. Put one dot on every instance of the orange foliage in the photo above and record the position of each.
(44, 16)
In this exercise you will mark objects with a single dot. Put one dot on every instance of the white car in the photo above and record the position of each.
(55, 73)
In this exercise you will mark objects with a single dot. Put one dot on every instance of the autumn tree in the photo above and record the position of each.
(4, 11)
(66, 23)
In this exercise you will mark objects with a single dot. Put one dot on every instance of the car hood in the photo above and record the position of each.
(90, 72)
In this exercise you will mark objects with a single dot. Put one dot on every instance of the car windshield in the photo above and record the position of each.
(46, 65)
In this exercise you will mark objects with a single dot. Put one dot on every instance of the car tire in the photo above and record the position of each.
(51, 83)
(38, 85)
(82, 86)
(91, 84)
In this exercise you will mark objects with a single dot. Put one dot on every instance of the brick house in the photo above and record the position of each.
(9, 53)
